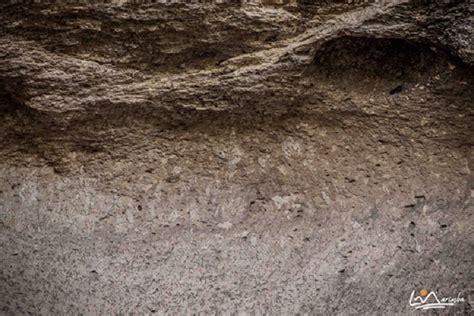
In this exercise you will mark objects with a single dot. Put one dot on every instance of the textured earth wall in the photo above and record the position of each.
(274, 157)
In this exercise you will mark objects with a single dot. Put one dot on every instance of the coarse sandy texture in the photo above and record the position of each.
(304, 157)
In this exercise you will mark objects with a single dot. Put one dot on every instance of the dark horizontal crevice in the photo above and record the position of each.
(379, 58)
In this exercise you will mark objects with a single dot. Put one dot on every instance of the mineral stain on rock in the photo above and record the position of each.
(272, 157)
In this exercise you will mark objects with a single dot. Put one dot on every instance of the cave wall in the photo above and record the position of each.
(227, 157)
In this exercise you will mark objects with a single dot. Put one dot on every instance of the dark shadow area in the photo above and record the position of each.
(8, 102)
(357, 61)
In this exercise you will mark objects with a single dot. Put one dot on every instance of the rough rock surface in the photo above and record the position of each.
(308, 157)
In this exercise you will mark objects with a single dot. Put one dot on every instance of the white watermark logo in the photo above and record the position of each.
(429, 300)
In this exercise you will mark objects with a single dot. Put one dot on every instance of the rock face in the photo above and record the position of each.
(274, 158)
